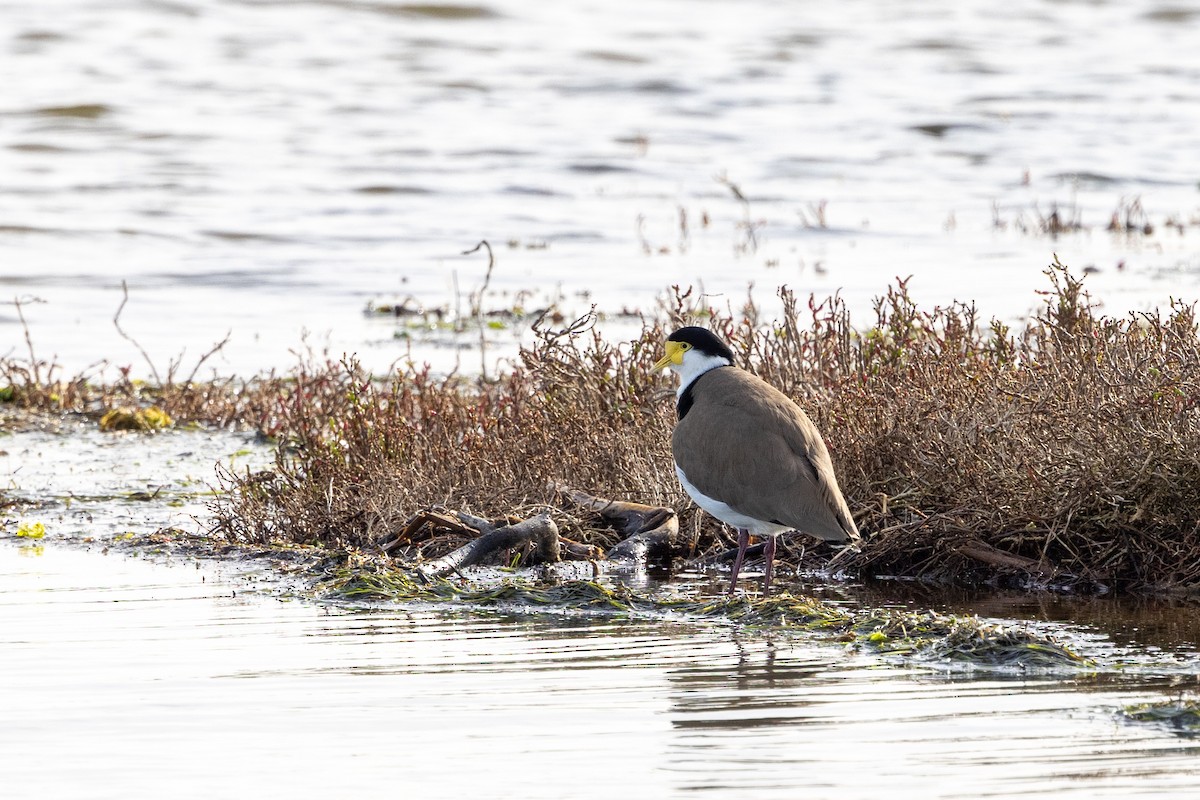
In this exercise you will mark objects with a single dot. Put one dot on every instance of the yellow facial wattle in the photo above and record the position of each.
(675, 351)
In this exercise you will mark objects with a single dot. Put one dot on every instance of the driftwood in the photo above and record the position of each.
(994, 557)
(428, 516)
(579, 551)
(651, 533)
(1043, 572)
(539, 530)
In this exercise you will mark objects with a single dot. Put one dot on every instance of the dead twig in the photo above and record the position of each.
(477, 303)
(117, 324)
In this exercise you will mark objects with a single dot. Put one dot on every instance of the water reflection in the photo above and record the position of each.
(774, 721)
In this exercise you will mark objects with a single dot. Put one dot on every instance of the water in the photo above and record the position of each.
(81, 483)
(267, 169)
(123, 677)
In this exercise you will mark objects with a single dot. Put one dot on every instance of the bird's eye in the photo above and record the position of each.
(685, 346)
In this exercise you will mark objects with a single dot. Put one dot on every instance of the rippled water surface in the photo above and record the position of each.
(123, 677)
(269, 168)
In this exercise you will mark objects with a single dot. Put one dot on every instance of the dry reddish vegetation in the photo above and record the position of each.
(1065, 454)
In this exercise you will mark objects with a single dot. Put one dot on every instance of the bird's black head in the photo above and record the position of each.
(702, 340)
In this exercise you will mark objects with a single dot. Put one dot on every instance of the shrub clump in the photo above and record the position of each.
(1063, 454)
(29, 387)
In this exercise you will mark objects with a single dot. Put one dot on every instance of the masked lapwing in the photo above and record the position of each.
(747, 454)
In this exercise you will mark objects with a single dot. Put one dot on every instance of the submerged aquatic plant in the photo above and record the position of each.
(926, 636)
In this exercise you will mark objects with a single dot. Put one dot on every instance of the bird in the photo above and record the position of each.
(747, 454)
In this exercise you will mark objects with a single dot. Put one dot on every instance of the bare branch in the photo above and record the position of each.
(216, 348)
(130, 339)
(477, 303)
(33, 362)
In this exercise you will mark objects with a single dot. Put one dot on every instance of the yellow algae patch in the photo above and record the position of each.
(31, 530)
(136, 419)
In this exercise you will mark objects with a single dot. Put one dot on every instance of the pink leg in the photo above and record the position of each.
(743, 543)
(769, 552)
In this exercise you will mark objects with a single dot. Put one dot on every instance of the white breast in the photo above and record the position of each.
(729, 516)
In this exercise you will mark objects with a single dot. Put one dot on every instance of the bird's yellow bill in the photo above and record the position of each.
(674, 356)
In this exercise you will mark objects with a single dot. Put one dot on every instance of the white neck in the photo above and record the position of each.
(694, 365)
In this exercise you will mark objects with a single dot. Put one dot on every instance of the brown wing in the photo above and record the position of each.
(745, 443)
